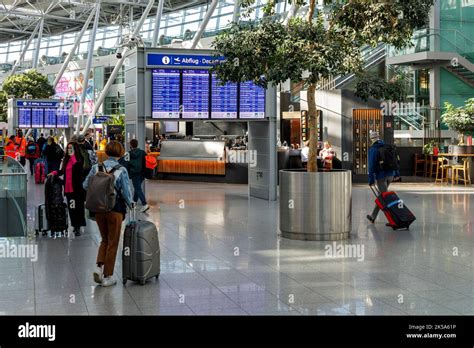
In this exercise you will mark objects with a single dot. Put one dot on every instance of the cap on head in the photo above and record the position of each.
(374, 136)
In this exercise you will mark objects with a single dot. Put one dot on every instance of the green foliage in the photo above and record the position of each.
(459, 119)
(371, 85)
(117, 120)
(30, 83)
(428, 148)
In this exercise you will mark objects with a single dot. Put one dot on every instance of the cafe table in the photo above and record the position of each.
(459, 155)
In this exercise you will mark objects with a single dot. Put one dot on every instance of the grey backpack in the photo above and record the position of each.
(101, 196)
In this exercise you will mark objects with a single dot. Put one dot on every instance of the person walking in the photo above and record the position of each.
(11, 149)
(54, 154)
(41, 141)
(21, 146)
(72, 171)
(110, 223)
(32, 154)
(380, 173)
(87, 153)
(136, 171)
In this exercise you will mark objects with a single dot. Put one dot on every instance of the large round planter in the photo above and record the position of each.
(316, 206)
(462, 150)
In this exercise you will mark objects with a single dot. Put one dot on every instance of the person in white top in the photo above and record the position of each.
(327, 151)
(305, 153)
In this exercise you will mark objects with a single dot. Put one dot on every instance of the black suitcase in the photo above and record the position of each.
(141, 251)
(396, 211)
(58, 219)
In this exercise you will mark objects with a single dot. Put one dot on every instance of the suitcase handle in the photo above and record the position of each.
(132, 216)
(375, 190)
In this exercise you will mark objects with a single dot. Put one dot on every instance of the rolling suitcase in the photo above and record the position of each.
(41, 220)
(40, 171)
(141, 251)
(58, 219)
(396, 211)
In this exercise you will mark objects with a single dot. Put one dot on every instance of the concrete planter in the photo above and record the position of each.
(316, 206)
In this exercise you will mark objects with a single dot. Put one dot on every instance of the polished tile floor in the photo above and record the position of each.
(221, 255)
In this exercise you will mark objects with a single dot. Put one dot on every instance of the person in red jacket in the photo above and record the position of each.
(32, 154)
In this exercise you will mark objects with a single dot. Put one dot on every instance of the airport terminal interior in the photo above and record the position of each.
(244, 213)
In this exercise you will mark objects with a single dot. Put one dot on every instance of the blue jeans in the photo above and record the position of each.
(137, 188)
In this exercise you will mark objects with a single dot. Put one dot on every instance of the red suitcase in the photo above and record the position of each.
(396, 211)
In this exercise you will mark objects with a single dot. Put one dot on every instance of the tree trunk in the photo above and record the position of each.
(313, 129)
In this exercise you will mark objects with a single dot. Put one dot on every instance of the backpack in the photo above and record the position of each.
(101, 196)
(388, 158)
(31, 149)
(86, 157)
(58, 151)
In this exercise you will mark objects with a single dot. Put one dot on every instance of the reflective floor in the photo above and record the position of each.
(221, 255)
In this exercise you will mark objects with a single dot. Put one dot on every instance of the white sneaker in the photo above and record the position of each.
(108, 281)
(98, 275)
(145, 208)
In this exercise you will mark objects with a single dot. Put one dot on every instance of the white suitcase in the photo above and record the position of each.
(41, 221)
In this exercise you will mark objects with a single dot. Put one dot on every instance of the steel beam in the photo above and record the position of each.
(28, 42)
(156, 30)
(117, 68)
(203, 25)
(236, 15)
(38, 44)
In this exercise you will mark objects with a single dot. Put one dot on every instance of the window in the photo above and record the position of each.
(120, 76)
(114, 105)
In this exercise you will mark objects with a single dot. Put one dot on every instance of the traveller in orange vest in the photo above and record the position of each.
(20, 142)
(10, 148)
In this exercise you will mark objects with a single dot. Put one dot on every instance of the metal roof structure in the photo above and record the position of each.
(18, 18)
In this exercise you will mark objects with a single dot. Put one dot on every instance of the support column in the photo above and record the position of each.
(156, 30)
(23, 52)
(236, 15)
(74, 48)
(204, 23)
(38, 44)
(90, 54)
(117, 67)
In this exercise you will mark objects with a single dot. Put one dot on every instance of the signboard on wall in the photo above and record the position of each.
(70, 87)
(40, 114)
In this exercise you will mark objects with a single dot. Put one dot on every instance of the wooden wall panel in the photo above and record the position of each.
(191, 167)
(364, 120)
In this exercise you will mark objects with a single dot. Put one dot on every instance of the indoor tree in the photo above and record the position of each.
(459, 119)
(325, 44)
(30, 83)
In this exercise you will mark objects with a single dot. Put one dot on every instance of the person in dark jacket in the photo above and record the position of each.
(377, 175)
(40, 142)
(72, 170)
(136, 169)
(32, 154)
(54, 154)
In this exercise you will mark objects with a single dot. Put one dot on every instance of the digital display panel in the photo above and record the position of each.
(24, 117)
(195, 94)
(49, 118)
(37, 117)
(171, 127)
(252, 101)
(223, 99)
(63, 118)
(165, 93)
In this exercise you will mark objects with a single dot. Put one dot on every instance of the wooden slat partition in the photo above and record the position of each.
(364, 120)
(191, 167)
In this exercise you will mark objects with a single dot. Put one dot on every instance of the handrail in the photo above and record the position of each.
(18, 209)
(16, 165)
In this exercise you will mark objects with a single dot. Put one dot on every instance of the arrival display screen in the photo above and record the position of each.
(195, 94)
(223, 99)
(252, 101)
(24, 117)
(63, 118)
(37, 118)
(165, 93)
(50, 118)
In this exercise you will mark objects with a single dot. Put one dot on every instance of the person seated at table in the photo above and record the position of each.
(305, 153)
(327, 154)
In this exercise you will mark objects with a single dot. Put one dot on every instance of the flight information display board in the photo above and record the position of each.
(195, 94)
(24, 117)
(62, 118)
(49, 118)
(223, 100)
(165, 93)
(252, 101)
(37, 117)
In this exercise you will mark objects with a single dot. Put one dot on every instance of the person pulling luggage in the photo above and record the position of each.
(54, 154)
(32, 153)
(383, 167)
(72, 170)
(108, 194)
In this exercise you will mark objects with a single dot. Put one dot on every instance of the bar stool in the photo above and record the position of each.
(431, 164)
(465, 169)
(419, 160)
(443, 168)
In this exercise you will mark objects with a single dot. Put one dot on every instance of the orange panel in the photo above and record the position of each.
(191, 167)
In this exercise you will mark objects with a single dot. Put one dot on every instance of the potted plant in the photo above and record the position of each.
(429, 147)
(327, 43)
(459, 119)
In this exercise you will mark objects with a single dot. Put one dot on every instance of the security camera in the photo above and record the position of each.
(118, 55)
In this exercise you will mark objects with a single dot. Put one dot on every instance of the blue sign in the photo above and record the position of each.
(165, 93)
(184, 60)
(100, 119)
(34, 103)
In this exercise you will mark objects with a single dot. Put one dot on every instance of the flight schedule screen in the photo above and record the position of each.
(37, 118)
(195, 94)
(50, 118)
(223, 99)
(165, 93)
(252, 100)
(63, 118)
(24, 117)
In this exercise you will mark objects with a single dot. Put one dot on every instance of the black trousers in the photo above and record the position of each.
(75, 205)
(32, 165)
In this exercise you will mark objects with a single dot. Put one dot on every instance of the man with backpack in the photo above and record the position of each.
(87, 153)
(32, 153)
(383, 166)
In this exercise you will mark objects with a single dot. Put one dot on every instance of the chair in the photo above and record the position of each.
(419, 160)
(465, 169)
(443, 169)
(431, 164)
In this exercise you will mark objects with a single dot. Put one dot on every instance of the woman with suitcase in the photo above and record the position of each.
(72, 171)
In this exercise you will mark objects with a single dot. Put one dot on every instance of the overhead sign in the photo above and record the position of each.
(100, 119)
(184, 60)
(32, 103)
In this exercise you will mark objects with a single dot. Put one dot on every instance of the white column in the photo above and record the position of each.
(204, 22)
(20, 59)
(236, 15)
(38, 44)
(156, 31)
